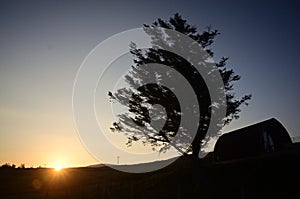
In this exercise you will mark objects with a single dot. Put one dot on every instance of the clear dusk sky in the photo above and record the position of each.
(43, 43)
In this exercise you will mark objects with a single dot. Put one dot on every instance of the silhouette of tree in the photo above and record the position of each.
(22, 166)
(8, 165)
(140, 96)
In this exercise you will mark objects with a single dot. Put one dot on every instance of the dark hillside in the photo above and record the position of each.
(272, 176)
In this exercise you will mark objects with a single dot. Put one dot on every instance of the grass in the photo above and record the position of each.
(268, 176)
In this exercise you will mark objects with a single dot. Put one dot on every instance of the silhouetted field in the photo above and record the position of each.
(270, 176)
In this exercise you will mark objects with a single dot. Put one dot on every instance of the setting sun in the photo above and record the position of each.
(58, 168)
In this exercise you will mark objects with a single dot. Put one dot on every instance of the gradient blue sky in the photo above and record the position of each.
(43, 44)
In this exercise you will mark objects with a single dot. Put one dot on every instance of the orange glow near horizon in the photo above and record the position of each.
(58, 168)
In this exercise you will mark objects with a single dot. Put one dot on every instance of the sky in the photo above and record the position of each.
(43, 44)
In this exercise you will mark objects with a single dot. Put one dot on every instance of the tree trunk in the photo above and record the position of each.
(196, 150)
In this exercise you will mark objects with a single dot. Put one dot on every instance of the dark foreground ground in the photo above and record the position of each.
(272, 176)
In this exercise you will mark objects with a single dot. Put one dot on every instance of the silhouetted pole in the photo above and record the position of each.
(118, 159)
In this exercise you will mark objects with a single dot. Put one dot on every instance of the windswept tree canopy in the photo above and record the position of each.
(150, 103)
